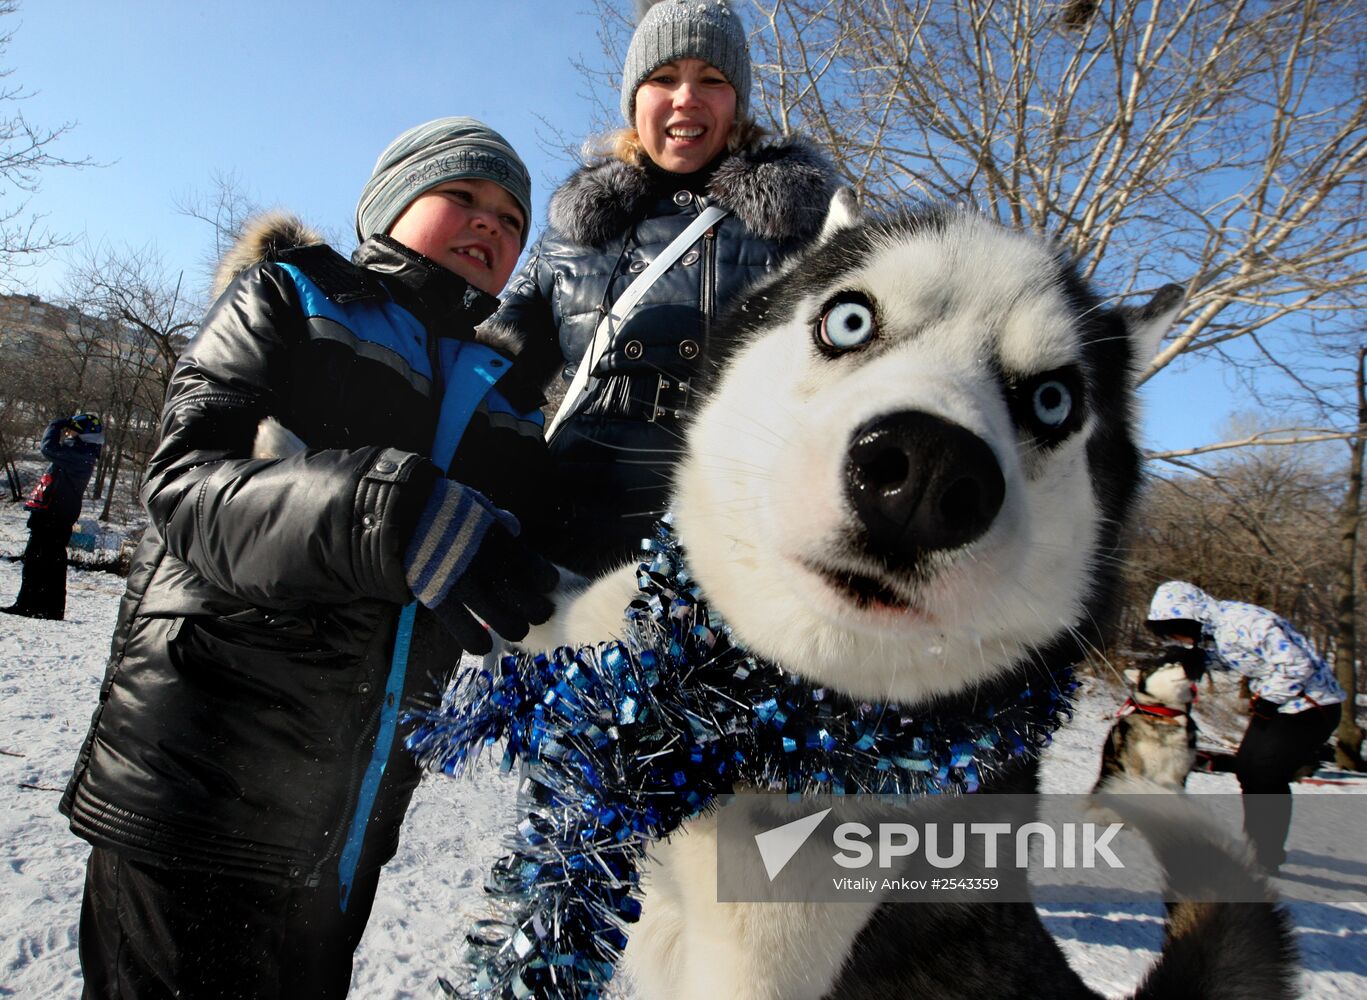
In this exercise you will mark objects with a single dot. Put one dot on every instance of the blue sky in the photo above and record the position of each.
(295, 100)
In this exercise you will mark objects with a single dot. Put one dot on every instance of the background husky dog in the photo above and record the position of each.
(1154, 735)
(907, 482)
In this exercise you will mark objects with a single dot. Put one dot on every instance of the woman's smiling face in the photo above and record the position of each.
(684, 113)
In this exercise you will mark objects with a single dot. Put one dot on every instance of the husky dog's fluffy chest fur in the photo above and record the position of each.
(907, 482)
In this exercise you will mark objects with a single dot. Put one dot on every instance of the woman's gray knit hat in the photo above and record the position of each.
(687, 29)
(446, 149)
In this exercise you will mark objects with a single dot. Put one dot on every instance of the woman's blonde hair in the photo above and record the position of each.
(625, 143)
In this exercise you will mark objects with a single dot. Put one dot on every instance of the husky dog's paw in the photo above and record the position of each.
(551, 633)
(275, 440)
(586, 611)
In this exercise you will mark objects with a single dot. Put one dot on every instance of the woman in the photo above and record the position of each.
(690, 144)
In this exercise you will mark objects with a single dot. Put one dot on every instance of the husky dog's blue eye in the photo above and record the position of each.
(1049, 406)
(1052, 402)
(846, 323)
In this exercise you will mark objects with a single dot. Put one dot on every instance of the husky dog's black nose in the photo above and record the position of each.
(919, 483)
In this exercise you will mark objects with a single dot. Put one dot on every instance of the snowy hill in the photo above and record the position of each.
(49, 682)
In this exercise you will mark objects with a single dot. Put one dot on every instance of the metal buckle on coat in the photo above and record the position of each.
(671, 398)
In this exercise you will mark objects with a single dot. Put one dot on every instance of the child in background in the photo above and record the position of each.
(1296, 704)
(72, 445)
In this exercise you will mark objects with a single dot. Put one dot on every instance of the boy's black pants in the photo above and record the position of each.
(1273, 749)
(150, 933)
(43, 590)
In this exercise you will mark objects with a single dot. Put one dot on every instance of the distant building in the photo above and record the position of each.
(26, 322)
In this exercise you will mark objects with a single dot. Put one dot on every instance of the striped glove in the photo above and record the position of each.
(465, 557)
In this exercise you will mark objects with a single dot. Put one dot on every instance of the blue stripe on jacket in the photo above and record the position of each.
(380, 322)
(471, 371)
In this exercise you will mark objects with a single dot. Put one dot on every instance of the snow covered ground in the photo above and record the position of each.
(49, 682)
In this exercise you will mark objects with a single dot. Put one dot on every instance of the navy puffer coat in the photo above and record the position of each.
(607, 223)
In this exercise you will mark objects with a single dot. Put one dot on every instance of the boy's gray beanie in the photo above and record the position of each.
(687, 29)
(446, 149)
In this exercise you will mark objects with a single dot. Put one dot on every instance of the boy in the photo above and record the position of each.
(244, 778)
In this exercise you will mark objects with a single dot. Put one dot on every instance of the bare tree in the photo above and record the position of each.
(1349, 749)
(134, 316)
(1223, 140)
(30, 375)
(133, 289)
(1256, 527)
(144, 319)
(26, 150)
(225, 208)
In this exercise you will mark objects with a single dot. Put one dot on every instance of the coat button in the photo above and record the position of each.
(368, 521)
(363, 687)
(688, 350)
(637, 266)
(689, 258)
(682, 198)
(568, 372)
(385, 465)
(633, 349)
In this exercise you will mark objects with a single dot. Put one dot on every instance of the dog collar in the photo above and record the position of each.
(1132, 707)
(627, 740)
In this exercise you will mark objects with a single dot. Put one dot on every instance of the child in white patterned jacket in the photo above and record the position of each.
(1297, 702)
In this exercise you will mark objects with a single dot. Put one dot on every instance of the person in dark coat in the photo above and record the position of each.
(72, 445)
(691, 143)
(339, 489)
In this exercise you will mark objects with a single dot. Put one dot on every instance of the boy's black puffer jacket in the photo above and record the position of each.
(240, 710)
(607, 223)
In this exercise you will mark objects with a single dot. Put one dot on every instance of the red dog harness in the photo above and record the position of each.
(1132, 707)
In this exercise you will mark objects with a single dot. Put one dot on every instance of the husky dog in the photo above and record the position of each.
(906, 482)
(1154, 735)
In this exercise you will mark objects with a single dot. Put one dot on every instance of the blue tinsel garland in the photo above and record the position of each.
(627, 740)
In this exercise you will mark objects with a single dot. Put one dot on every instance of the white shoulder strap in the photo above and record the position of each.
(579, 386)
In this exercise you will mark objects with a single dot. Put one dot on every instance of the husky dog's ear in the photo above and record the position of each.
(843, 214)
(1147, 324)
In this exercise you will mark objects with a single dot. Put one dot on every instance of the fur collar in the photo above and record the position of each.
(263, 238)
(780, 190)
(269, 236)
